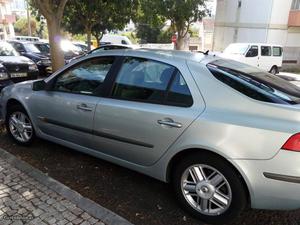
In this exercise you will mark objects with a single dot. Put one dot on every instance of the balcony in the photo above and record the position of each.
(8, 19)
(294, 18)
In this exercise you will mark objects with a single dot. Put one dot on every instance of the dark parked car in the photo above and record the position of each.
(13, 67)
(103, 47)
(29, 50)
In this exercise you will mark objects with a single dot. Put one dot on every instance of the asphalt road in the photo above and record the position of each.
(138, 198)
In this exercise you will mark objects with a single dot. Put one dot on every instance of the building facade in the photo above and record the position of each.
(267, 21)
(6, 20)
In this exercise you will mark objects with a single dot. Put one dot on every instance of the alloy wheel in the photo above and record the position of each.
(206, 189)
(20, 127)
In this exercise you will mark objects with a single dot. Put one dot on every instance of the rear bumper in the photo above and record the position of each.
(275, 183)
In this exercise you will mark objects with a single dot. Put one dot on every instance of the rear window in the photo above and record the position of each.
(277, 51)
(254, 82)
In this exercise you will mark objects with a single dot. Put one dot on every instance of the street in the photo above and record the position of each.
(136, 197)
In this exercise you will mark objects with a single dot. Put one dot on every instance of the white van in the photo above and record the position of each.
(265, 56)
(116, 39)
(26, 38)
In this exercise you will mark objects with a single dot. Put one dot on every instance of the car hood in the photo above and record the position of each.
(14, 60)
(37, 55)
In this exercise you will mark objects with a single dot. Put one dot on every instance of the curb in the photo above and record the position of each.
(94, 209)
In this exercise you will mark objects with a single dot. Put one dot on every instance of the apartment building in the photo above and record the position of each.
(6, 20)
(264, 21)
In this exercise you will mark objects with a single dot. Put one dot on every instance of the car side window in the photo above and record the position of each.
(18, 47)
(266, 51)
(142, 80)
(85, 78)
(253, 51)
(277, 51)
(179, 93)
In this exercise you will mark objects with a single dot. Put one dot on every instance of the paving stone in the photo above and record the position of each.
(35, 204)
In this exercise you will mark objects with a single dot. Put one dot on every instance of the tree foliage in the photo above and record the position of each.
(96, 17)
(21, 26)
(181, 13)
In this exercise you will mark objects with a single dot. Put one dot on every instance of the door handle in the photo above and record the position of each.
(169, 123)
(84, 107)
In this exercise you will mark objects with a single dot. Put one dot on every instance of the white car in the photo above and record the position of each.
(264, 56)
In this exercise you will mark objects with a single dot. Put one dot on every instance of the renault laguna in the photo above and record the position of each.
(224, 134)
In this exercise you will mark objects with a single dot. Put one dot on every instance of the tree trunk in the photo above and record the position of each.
(180, 43)
(89, 36)
(57, 56)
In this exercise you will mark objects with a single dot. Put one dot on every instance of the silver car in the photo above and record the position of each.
(223, 133)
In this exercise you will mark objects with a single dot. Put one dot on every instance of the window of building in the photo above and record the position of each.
(296, 4)
(266, 51)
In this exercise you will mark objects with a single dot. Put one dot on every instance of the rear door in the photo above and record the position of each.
(150, 105)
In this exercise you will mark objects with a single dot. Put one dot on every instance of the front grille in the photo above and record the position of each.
(16, 68)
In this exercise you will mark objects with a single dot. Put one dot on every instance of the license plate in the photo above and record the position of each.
(18, 75)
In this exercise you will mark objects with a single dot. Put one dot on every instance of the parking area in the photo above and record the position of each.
(138, 198)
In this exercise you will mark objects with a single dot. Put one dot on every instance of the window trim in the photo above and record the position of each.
(97, 92)
(166, 92)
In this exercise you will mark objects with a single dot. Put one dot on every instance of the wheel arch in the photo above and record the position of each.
(182, 154)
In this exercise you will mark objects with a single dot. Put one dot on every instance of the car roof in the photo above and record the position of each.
(256, 43)
(162, 54)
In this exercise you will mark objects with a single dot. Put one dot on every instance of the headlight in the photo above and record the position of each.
(32, 67)
(3, 75)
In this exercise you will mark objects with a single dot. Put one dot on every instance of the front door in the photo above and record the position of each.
(66, 111)
(252, 57)
(150, 106)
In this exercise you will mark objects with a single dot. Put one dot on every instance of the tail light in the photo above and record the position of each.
(293, 143)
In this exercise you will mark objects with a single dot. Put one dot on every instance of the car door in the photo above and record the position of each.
(66, 111)
(251, 57)
(265, 60)
(150, 105)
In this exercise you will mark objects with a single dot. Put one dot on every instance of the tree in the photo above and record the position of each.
(53, 11)
(96, 17)
(181, 13)
(149, 24)
(21, 26)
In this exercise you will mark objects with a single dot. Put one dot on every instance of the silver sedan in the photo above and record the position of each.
(223, 133)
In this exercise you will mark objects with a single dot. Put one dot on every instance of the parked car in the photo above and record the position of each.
(13, 67)
(29, 50)
(103, 48)
(224, 134)
(26, 38)
(82, 47)
(265, 56)
(116, 39)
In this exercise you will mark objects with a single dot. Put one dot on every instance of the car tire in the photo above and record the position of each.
(274, 70)
(204, 200)
(19, 125)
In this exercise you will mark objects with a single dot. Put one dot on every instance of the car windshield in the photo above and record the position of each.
(239, 49)
(254, 82)
(44, 48)
(7, 50)
(31, 48)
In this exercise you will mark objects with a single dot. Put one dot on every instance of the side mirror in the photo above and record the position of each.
(39, 85)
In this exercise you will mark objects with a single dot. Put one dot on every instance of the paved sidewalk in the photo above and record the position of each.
(27, 196)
